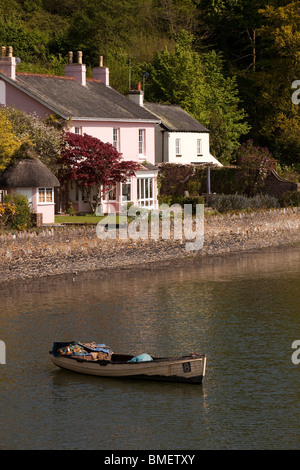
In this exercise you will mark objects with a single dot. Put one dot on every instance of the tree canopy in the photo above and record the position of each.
(243, 58)
(93, 163)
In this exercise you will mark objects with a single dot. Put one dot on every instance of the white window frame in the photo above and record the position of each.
(3, 192)
(2, 92)
(45, 202)
(78, 130)
(107, 192)
(142, 142)
(145, 184)
(116, 138)
(178, 147)
(129, 183)
(199, 147)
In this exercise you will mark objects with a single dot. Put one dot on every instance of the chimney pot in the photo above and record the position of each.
(101, 73)
(8, 64)
(76, 71)
(137, 96)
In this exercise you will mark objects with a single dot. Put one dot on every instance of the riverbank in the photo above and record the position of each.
(67, 250)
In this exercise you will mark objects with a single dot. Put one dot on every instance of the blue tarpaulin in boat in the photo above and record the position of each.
(141, 358)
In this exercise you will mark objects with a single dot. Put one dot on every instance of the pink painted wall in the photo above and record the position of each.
(128, 136)
(16, 98)
(48, 210)
(48, 213)
(103, 130)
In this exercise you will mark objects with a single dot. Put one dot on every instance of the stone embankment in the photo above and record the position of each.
(67, 250)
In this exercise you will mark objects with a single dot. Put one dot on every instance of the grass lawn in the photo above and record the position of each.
(88, 219)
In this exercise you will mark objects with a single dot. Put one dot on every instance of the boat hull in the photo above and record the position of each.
(187, 369)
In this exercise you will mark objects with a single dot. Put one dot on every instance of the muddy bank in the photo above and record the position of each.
(66, 250)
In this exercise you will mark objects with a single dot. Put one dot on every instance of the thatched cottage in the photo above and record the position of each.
(30, 177)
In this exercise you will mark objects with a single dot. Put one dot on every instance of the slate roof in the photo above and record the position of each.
(174, 118)
(67, 98)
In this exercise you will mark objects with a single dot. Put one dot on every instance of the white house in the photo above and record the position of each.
(179, 138)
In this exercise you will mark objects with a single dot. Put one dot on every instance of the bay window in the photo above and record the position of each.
(145, 192)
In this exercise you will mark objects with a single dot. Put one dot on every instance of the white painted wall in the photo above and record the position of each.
(188, 141)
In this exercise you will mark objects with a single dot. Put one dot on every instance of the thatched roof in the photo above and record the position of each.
(28, 173)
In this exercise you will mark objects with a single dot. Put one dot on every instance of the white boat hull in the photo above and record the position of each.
(189, 369)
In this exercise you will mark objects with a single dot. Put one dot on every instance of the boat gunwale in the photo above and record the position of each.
(155, 360)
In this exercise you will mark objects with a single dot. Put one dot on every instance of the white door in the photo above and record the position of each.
(26, 192)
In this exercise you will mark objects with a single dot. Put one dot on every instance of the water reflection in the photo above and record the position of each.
(242, 311)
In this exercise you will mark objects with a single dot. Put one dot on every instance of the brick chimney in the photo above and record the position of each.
(76, 71)
(101, 73)
(8, 63)
(137, 95)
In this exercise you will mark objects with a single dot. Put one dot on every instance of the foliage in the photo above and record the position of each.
(44, 136)
(15, 212)
(244, 56)
(9, 140)
(254, 164)
(92, 163)
(280, 118)
(290, 199)
(197, 83)
(233, 202)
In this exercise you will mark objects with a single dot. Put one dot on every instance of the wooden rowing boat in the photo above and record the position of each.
(188, 369)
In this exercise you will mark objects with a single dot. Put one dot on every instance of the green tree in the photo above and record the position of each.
(45, 136)
(281, 123)
(254, 164)
(197, 83)
(9, 141)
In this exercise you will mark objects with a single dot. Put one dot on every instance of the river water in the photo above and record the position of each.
(242, 311)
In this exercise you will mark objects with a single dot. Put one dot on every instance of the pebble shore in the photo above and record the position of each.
(72, 250)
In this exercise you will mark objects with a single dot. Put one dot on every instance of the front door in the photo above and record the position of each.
(26, 192)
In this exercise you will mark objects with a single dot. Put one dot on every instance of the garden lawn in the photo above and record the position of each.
(88, 219)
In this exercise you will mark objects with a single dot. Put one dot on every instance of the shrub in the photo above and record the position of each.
(232, 202)
(290, 199)
(15, 212)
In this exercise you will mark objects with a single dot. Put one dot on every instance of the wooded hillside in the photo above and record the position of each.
(230, 63)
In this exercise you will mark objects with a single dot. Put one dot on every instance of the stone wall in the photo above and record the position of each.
(72, 250)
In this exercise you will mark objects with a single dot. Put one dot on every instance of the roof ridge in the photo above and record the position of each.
(44, 75)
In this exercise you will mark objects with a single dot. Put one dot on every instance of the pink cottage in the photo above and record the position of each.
(92, 107)
(30, 177)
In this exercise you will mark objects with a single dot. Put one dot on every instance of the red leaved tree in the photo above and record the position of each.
(93, 163)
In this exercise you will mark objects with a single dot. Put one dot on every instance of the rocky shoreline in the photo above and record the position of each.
(69, 250)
